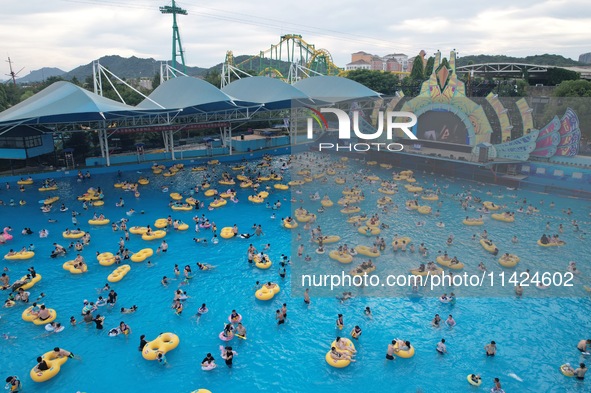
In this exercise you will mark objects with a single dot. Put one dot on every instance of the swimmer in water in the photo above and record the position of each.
(130, 310)
(202, 310)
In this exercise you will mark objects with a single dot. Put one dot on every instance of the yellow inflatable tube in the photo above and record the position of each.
(54, 362)
(341, 257)
(490, 205)
(20, 255)
(291, 225)
(182, 208)
(369, 231)
(364, 250)
(142, 254)
(502, 217)
(471, 382)
(266, 294)
(99, 222)
(138, 230)
(227, 233)
(426, 272)
(256, 199)
(106, 259)
(219, 203)
(326, 203)
(397, 242)
(160, 223)
(210, 193)
(351, 210)
(31, 283)
(265, 264)
(404, 354)
(155, 235)
(27, 316)
(52, 188)
(567, 370)
(424, 209)
(162, 344)
(51, 200)
(52, 317)
(490, 248)
(473, 222)
(305, 217)
(447, 263)
(69, 266)
(430, 197)
(328, 239)
(510, 260)
(73, 235)
(118, 273)
(539, 244)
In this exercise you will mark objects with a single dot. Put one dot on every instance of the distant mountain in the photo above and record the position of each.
(546, 59)
(40, 75)
(585, 58)
(132, 67)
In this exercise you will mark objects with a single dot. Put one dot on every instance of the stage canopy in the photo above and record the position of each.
(191, 95)
(64, 102)
(334, 89)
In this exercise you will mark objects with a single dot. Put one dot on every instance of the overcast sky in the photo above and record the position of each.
(68, 33)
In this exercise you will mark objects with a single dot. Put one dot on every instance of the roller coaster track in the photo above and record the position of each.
(290, 60)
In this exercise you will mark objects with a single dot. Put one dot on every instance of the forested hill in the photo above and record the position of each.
(546, 59)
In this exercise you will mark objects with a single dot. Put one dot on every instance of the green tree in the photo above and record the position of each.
(4, 103)
(214, 77)
(26, 94)
(557, 75)
(13, 94)
(381, 82)
(573, 88)
(156, 81)
(418, 72)
(429, 67)
(48, 82)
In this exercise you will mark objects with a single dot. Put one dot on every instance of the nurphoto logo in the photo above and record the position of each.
(345, 130)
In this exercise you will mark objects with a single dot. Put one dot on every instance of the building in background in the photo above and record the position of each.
(394, 62)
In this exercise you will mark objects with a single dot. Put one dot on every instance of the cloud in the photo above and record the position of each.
(65, 34)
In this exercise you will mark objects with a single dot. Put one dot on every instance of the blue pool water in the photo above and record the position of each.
(534, 334)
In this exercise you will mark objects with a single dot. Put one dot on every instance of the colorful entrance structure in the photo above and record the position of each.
(446, 114)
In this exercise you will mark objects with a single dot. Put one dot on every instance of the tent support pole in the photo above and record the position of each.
(171, 144)
(107, 148)
(165, 138)
(101, 142)
(104, 144)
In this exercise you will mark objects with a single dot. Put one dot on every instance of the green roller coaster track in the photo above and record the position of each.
(277, 60)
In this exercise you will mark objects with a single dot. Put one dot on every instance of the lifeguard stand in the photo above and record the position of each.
(69, 158)
(139, 148)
